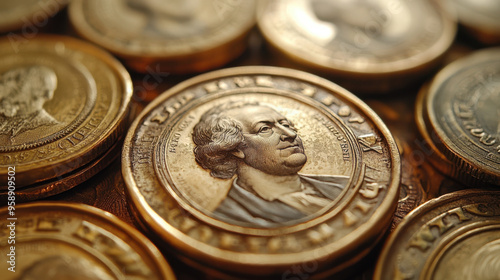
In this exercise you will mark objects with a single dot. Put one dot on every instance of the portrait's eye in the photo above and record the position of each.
(265, 129)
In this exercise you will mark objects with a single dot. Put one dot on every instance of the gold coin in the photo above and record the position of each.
(373, 46)
(480, 19)
(455, 236)
(27, 15)
(67, 181)
(54, 240)
(262, 171)
(461, 109)
(63, 104)
(175, 36)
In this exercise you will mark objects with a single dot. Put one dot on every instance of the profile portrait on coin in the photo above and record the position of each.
(261, 151)
(484, 263)
(23, 93)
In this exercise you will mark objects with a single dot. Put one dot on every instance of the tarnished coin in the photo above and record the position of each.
(63, 104)
(28, 14)
(262, 171)
(53, 240)
(455, 236)
(180, 36)
(369, 46)
(461, 116)
(480, 18)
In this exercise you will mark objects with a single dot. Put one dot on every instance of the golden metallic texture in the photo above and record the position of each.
(254, 170)
(181, 36)
(63, 104)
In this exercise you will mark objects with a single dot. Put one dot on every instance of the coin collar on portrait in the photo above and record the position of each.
(234, 166)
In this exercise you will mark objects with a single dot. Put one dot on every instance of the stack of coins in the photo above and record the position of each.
(458, 117)
(63, 113)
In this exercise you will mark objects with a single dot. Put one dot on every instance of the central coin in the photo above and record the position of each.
(255, 170)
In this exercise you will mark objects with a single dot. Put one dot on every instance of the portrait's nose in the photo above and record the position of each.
(287, 133)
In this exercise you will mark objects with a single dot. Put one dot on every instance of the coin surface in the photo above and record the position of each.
(55, 240)
(254, 170)
(461, 112)
(176, 36)
(28, 13)
(63, 104)
(387, 44)
(455, 236)
(480, 18)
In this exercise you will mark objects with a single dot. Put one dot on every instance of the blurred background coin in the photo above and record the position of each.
(28, 16)
(55, 240)
(181, 36)
(459, 113)
(480, 19)
(64, 104)
(455, 236)
(253, 171)
(365, 46)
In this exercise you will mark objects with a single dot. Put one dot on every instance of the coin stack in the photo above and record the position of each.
(63, 115)
(298, 139)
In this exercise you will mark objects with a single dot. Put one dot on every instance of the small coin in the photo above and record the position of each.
(480, 18)
(54, 240)
(256, 170)
(63, 104)
(28, 13)
(461, 113)
(368, 46)
(175, 36)
(455, 236)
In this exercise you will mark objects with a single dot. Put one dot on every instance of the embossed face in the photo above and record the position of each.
(271, 143)
(23, 91)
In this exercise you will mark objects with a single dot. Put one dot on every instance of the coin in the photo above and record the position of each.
(68, 180)
(175, 36)
(460, 112)
(54, 240)
(480, 19)
(455, 236)
(28, 15)
(374, 46)
(262, 171)
(63, 104)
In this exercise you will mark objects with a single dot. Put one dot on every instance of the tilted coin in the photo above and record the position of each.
(461, 114)
(175, 36)
(54, 240)
(63, 104)
(369, 46)
(259, 170)
(28, 14)
(480, 18)
(455, 236)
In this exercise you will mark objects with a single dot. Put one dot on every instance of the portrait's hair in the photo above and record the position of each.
(25, 84)
(216, 136)
(484, 263)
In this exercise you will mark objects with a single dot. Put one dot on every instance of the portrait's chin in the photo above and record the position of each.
(296, 160)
